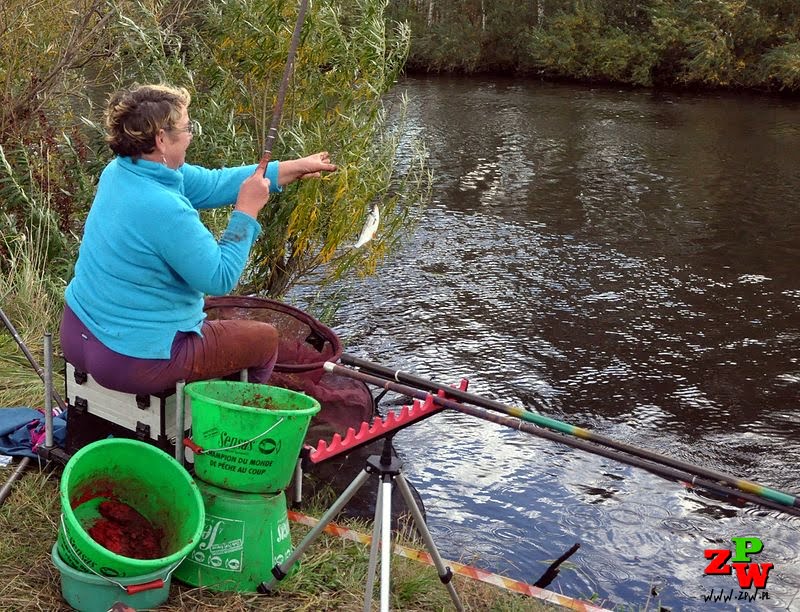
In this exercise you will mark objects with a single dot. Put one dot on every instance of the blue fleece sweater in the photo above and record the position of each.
(146, 259)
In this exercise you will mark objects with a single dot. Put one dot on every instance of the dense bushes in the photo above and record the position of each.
(59, 62)
(709, 43)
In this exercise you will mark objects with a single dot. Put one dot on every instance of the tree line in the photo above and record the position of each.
(736, 44)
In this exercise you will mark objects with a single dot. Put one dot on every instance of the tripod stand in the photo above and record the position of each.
(389, 470)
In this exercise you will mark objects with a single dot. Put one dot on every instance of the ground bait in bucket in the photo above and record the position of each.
(124, 531)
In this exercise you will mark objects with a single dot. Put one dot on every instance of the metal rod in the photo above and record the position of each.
(30, 357)
(12, 329)
(386, 541)
(445, 573)
(589, 446)
(180, 420)
(298, 484)
(4, 492)
(373, 550)
(281, 570)
(48, 390)
(287, 73)
(747, 486)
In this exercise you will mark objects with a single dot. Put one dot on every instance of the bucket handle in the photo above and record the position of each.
(199, 450)
(131, 589)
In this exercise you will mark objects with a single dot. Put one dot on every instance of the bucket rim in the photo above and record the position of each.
(164, 573)
(145, 564)
(190, 390)
(99, 444)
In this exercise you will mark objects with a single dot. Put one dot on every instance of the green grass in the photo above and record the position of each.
(331, 577)
(33, 302)
(333, 571)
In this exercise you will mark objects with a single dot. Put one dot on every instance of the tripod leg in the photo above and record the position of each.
(373, 550)
(298, 484)
(445, 574)
(279, 571)
(6, 490)
(386, 542)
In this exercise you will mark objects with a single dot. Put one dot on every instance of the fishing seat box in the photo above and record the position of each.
(95, 412)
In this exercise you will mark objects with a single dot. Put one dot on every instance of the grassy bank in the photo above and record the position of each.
(33, 301)
(333, 570)
(332, 576)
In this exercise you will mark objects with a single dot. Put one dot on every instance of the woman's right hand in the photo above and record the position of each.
(254, 192)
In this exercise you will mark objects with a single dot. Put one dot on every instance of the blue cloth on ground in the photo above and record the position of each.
(22, 429)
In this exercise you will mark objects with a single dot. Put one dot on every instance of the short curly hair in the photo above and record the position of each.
(135, 115)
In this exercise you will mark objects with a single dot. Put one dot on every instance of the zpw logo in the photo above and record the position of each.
(748, 573)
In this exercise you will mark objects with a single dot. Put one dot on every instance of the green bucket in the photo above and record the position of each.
(90, 593)
(245, 536)
(146, 479)
(247, 437)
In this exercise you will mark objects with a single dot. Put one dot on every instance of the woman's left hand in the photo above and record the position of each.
(311, 166)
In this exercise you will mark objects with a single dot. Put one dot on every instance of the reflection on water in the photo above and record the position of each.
(624, 261)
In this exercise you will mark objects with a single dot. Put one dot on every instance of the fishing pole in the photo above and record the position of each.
(6, 490)
(272, 133)
(31, 359)
(755, 494)
(746, 486)
(373, 218)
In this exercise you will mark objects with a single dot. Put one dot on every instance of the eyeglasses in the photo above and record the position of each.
(192, 128)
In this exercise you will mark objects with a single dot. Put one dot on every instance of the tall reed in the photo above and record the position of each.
(32, 300)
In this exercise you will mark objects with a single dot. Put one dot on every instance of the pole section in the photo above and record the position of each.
(695, 475)
(747, 486)
(30, 357)
(287, 73)
(6, 490)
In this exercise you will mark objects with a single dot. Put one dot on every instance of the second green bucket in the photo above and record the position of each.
(247, 437)
(138, 475)
(245, 536)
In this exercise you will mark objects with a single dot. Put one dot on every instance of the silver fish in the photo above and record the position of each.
(370, 227)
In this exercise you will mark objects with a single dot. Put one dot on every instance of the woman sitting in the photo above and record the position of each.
(134, 315)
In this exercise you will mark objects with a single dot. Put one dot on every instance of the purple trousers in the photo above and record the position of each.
(226, 347)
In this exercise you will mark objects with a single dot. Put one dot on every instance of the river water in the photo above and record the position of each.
(625, 261)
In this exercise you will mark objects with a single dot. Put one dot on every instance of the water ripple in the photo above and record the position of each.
(623, 261)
